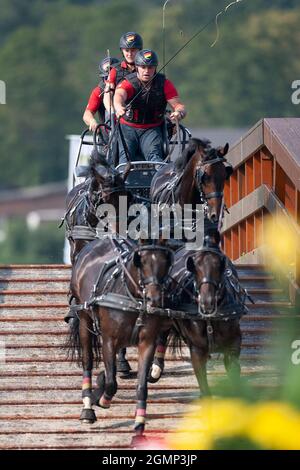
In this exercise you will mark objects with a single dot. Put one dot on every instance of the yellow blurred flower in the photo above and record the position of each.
(213, 419)
(281, 240)
(269, 425)
(275, 425)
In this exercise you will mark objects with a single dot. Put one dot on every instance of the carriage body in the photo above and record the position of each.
(140, 177)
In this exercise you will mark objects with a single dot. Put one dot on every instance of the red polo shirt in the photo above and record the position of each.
(95, 100)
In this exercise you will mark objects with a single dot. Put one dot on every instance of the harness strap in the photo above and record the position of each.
(81, 232)
(210, 336)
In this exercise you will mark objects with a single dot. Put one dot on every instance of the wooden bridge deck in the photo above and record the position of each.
(40, 391)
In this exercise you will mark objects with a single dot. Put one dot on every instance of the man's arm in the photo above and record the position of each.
(119, 101)
(179, 111)
(108, 97)
(89, 119)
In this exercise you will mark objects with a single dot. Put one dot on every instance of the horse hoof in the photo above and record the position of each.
(95, 396)
(155, 374)
(88, 416)
(138, 441)
(123, 368)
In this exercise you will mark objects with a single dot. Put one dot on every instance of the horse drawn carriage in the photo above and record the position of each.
(141, 171)
(142, 293)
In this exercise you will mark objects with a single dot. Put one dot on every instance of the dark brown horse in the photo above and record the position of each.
(200, 279)
(141, 273)
(197, 177)
(103, 186)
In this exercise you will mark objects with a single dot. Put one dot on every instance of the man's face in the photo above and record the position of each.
(145, 72)
(129, 55)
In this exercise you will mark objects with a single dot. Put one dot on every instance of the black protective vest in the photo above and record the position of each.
(121, 73)
(150, 105)
(101, 110)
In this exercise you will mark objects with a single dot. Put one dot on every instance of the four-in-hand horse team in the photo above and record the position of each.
(142, 288)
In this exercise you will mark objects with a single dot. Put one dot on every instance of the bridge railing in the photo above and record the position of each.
(265, 181)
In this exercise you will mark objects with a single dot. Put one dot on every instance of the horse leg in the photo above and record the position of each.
(87, 415)
(232, 361)
(123, 365)
(159, 358)
(107, 384)
(199, 359)
(146, 352)
(232, 365)
(232, 350)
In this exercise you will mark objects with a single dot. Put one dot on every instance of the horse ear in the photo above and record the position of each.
(226, 148)
(222, 151)
(229, 171)
(190, 265)
(137, 259)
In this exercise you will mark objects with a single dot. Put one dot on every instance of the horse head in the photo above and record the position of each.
(208, 266)
(211, 174)
(152, 263)
(106, 179)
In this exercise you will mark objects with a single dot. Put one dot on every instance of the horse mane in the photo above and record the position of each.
(98, 158)
(193, 146)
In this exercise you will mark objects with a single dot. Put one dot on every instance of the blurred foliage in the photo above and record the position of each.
(43, 245)
(261, 411)
(50, 51)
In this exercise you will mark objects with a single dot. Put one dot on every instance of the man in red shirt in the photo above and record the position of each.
(95, 103)
(140, 101)
(130, 44)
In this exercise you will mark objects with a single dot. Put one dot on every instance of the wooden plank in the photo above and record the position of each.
(249, 168)
(73, 411)
(241, 182)
(282, 137)
(227, 244)
(242, 238)
(227, 193)
(234, 192)
(279, 182)
(267, 167)
(258, 229)
(115, 426)
(290, 197)
(235, 242)
(257, 170)
(250, 234)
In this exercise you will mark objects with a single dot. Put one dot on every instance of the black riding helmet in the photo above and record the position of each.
(106, 64)
(146, 57)
(131, 41)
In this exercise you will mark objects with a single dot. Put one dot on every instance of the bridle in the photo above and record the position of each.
(218, 286)
(200, 172)
(143, 282)
(153, 280)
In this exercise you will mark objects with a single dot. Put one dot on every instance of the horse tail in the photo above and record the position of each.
(74, 348)
(175, 340)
